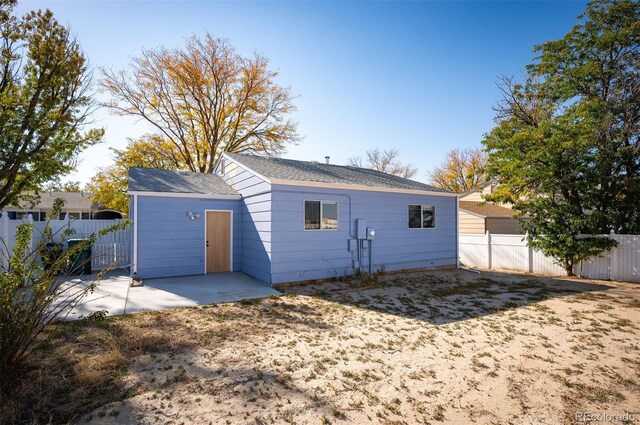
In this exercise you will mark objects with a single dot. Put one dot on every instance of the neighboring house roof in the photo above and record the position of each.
(479, 187)
(485, 209)
(278, 169)
(172, 181)
(74, 201)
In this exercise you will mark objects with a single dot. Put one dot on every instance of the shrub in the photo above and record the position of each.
(35, 291)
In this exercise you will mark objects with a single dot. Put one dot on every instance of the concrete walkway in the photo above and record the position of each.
(114, 294)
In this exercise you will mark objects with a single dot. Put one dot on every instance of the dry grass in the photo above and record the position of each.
(421, 348)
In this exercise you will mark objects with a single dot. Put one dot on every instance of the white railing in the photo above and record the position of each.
(111, 250)
(510, 252)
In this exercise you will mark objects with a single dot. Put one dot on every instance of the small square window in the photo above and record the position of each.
(320, 215)
(86, 216)
(74, 216)
(422, 216)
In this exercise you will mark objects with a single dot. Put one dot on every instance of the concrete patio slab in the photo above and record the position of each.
(114, 295)
(110, 294)
(190, 291)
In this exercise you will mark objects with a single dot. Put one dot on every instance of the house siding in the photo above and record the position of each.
(298, 255)
(170, 244)
(256, 220)
(470, 223)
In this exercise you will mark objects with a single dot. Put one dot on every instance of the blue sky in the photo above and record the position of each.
(416, 76)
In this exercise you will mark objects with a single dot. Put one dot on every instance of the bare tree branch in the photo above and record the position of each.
(385, 161)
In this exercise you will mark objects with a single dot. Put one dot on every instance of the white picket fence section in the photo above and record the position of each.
(111, 250)
(510, 252)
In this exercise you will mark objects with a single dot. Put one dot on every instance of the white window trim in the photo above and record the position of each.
(321, 201)
(421, 215)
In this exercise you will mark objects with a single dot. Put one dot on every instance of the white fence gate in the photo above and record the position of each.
(111, 250)
(510, 252)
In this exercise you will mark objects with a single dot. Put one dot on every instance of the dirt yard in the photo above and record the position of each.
(447, 346)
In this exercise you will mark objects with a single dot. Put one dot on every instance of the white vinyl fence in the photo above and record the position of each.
(510, 252)
(111, 250)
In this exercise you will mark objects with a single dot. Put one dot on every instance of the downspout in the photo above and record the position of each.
(135, 235)
(457, 233)
(370, 255)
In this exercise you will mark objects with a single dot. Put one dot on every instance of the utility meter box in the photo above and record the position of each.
(361, 228)
(371, 233)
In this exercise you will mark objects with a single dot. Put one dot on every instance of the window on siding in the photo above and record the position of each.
(23, 215)
(320, 215)
(422, 216)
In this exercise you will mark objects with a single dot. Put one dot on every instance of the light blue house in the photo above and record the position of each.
(285, 221)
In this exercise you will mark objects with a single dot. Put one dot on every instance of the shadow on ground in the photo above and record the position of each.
(441, 297)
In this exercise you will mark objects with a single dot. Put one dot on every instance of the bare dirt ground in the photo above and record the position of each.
(445, 346)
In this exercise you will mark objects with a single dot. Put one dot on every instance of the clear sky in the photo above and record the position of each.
(417, 76)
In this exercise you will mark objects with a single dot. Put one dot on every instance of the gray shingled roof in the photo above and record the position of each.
(155, 180)
(288, 169)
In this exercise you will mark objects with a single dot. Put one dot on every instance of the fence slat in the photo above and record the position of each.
(510, 252)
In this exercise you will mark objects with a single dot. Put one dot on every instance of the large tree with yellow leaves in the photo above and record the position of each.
(203, 99)
(463, 170)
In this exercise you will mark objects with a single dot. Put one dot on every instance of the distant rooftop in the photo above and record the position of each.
(305, 171)
(155, 180)
(79, 201)
(486, 209)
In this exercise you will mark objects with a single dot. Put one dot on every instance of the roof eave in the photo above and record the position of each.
(184, 195)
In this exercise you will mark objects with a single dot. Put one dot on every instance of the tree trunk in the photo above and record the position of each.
(568, 267)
